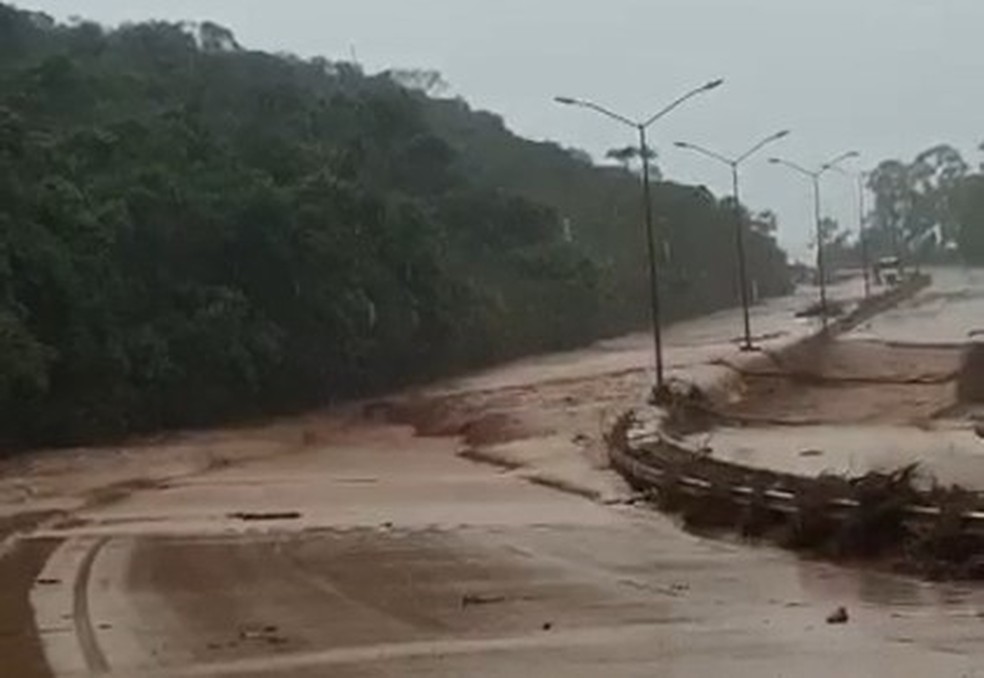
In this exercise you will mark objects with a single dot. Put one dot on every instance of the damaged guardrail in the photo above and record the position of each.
(934, 531)
(651, 474)
(893, 518)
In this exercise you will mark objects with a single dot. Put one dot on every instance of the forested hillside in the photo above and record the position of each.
(191, 232)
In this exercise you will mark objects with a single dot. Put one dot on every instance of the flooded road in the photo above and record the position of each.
(949, 312)
(879, 398)
(343, 544)
(407, 560)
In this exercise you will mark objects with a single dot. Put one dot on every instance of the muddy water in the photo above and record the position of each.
(386, 553)
(951, 456)
(850, 382)
(629, 598)
(857, 405)
(950, 312)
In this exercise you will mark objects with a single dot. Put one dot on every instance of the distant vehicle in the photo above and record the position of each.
(888, 271)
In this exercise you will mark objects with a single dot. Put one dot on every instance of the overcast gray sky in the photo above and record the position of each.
(886, 77)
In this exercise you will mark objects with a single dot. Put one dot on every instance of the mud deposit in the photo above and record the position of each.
(970, 387)
(869, 442)
(360, 543)
(849, 382)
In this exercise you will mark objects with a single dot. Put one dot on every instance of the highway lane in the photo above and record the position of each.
(951, 311)
(459, 569)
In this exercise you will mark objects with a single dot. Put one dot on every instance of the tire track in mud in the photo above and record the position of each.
(95, 658)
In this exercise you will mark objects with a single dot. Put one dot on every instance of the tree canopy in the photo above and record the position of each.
(192, 231)
(931, 208)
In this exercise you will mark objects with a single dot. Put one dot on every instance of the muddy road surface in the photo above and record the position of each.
(471, 529)
(894, 391)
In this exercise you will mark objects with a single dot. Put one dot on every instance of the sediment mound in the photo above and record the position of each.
(849, 382)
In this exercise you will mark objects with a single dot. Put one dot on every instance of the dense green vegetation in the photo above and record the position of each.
(930, 209)
(191, 231)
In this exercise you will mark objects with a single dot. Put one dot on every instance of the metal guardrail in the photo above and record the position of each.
(779, 500)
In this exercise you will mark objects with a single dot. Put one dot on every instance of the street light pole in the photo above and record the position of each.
(815, 177)
(863, 237)
(734, 164)
(640, 127)
(742, 267)
(862, 233)
(821, 259)
(654, 297)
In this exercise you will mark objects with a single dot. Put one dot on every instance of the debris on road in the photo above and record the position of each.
(470, 599)
(834, 309)
(898, 517)
(268, 634)
(251, 517)
(838, 616)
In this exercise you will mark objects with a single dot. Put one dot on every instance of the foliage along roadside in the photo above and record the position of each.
(928, 210)
(192, 232)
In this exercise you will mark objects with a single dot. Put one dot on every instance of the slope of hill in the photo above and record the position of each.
(191, 231)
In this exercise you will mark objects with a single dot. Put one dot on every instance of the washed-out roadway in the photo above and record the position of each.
(342, 544)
